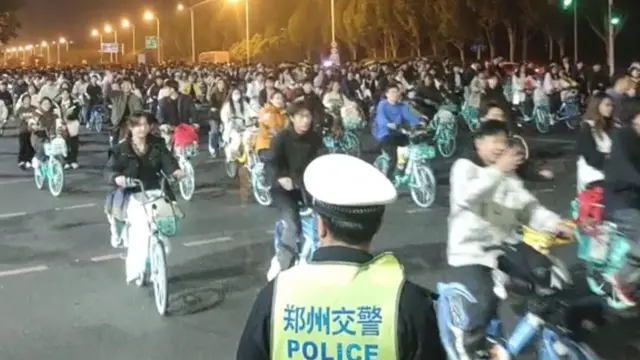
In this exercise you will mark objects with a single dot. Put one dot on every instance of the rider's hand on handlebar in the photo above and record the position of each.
(178, 174)
(121, 181)
(564, 230)
(286, 183)
(509, 160)
(392, 126)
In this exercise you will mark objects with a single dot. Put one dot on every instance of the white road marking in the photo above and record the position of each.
(209, 190)
(30, 179)
(24, 270)
(208, 241)
(73, 207)
(12, 215)
(107, 257)
(419, 210)
(270, 232)
(545, 190)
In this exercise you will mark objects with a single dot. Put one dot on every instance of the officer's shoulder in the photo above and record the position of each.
(414, 296)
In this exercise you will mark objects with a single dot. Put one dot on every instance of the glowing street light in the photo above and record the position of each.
(126, 24)
(246, 26)
(149, 16)
(97, 34)
(45, 44)
(180, 7)
(109, 29)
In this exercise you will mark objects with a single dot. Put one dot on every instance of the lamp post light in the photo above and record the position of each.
(44, 45)
(246, 27)
(149, 16)
(97, 34)
(109, 29)
(61, 41)
(126, 24)
(181, 7)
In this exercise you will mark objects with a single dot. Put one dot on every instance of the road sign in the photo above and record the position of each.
(151, 42)
(109, 48)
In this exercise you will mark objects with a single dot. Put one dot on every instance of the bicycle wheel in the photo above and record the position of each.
(422, 185)
(259, 186)
(351, 144)
(381, 163)
(187, 184)
(39, 177)
(56, 177)
(573, 117)
(159, 276)
(231, 168)
(446, 142)
(98, 124)
(542, 119)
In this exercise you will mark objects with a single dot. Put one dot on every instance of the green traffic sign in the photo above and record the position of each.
(151, 42)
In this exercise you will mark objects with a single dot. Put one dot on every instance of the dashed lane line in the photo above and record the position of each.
(24, 270)
(207, 241)
(30, 179)
(63, 208)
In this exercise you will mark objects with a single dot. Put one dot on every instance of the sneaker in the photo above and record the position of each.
(74, 165)
(22, 165)
(274, 269)
(35, 163)
(116, 241)
(27, 165)
(620, 293)
(67, 166)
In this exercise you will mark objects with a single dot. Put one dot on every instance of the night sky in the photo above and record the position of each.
(50, 19)
(73, 19)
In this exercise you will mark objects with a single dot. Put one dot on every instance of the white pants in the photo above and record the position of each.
(234, 139)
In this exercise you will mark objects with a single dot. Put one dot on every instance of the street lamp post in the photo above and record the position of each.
(246, 28)
(97, 34)
(565, 5)
(126, 24)
(61, 41)
(108, 29)
(45, 44)
(612, 37)
(148, 16)
(181, 7)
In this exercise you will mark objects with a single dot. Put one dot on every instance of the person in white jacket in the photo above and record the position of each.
(4, 113)
(239, 122)
(488, 203)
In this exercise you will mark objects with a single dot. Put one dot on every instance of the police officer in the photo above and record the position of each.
(346, 303)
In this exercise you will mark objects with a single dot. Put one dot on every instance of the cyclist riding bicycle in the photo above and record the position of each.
(390, 116)
(292, 150)
(488, 202)
(271, 120)
(621, 199)
(144, 157)
(238, 119)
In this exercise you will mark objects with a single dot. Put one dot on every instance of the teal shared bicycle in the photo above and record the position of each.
(445, 128)
(603, 250)
(416, 174)
(52, 169)
(470, 116)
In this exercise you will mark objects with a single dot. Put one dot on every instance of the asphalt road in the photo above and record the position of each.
(62, 288)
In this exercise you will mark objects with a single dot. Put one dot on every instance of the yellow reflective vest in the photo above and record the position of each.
(337, 311)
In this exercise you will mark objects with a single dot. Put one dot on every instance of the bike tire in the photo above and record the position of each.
(39, 177)
(381, 163)
(542, 120)
(231, 169)
(56, 177)
(421, 177)
(159, 277)
(446, 143)
(259, 187)
(351, 144)
(187, 184)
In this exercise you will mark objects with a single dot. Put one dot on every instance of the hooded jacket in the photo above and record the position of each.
(486, 208)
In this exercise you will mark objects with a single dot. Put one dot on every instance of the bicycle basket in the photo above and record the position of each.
(445, 116)
(188, 151)
(56, 147)
(606, 246)
(422, 152)
(166, 217)
(167, 226)
(352, 117)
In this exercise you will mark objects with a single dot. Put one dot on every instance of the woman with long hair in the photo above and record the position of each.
(239, 121)
(144, 157)
(594, 141)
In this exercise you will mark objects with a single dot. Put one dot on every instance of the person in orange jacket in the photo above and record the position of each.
(271, 119)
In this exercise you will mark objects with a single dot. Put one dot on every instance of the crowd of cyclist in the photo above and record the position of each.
(276, 111)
